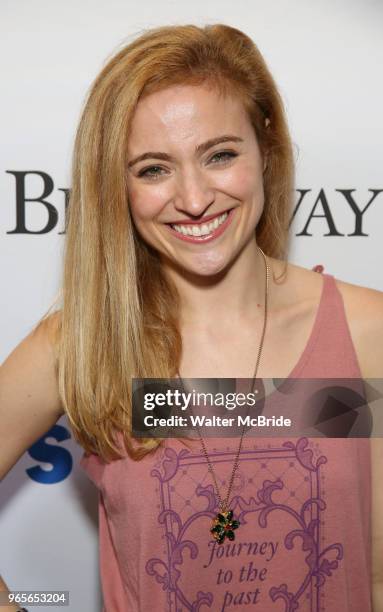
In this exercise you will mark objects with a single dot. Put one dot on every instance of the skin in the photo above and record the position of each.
(194, 185)
(221, 283)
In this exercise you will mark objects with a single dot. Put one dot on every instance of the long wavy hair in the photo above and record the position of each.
(119, 314)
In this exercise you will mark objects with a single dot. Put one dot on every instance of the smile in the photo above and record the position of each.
(202, 231)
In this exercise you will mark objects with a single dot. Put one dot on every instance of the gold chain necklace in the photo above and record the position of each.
(223, 523)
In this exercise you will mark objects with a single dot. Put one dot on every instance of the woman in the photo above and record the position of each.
(175, 264)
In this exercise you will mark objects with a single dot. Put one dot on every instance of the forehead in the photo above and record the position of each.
(186, 113)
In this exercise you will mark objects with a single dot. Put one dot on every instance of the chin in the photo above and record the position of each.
(206, 265)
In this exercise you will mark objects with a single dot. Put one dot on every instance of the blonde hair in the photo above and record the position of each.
(119, 315)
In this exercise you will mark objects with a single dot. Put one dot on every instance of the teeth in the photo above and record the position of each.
(200, 230)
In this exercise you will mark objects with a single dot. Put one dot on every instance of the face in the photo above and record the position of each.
(195, 177)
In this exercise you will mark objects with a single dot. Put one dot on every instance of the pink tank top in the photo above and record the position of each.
(304, 508)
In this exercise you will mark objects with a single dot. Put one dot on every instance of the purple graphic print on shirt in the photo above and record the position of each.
(278, 497)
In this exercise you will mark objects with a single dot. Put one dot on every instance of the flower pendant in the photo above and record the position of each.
(223, 526)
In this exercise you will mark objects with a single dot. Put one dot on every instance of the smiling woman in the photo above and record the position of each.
(206, 186)
(176, 261)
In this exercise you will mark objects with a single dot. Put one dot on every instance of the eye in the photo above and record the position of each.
(223, 156)
(152, 172)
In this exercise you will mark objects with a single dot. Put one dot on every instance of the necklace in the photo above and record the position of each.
(223, 523)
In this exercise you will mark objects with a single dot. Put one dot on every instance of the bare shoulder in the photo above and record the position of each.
(364, 303)
(49, 327)
(296, 285)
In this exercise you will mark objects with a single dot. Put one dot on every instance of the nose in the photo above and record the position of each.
(193, 194)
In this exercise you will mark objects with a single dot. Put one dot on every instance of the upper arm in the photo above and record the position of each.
(29, 399)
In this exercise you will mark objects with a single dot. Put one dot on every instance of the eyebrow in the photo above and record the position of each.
(201, 148)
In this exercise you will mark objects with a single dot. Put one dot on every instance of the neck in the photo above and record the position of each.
(237, 293)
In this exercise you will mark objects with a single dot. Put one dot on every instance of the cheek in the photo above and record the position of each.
(146, 202)
(244, 182)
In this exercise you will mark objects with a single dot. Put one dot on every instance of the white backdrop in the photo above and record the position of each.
(326, 57)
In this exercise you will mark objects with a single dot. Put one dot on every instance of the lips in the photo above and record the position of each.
(204, 230)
